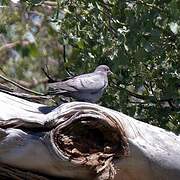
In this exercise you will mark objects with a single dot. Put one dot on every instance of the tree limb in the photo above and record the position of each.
(149, 5)
(14, 44)
(82, 141)
(151, 99)
(19, 86)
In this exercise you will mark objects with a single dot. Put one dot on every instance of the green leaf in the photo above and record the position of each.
(80, 43)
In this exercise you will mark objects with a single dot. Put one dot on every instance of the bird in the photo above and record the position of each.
(85, 87)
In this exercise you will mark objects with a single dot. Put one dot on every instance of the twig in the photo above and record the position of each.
(9, 45)
(138, 96)
(50, 79)
(70, 74)
(3, 87)
(1, 69)
(33, 98)
(110, 17)
(50, 3)
(21, 87)
(14, 44)
(151, 99)
(152, 91)
(149, 5)
(106, 4)
(64, 53)
(32, 83)
(136, 102)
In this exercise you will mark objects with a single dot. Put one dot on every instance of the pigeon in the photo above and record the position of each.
(86, 87)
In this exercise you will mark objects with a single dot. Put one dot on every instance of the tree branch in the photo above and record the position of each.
(31, 84)
(50, 3)
(46, 72)
(14, 44)
(151, 99)
(19, 86)
(34, 98)
(149, 5)
(138, 96)
(9, 45)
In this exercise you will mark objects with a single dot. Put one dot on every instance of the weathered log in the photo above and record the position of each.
(82, 141)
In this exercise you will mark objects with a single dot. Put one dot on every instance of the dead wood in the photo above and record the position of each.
(82, 141)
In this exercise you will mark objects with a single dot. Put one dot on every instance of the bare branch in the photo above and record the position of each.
(33, 98)
(50, 3)
(9, 46)
(14, 44)
(19, 86)
(149, 5)
(31, 84)
(46, 72)
(150, 99)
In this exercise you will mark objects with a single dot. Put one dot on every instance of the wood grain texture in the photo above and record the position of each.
(80, 140)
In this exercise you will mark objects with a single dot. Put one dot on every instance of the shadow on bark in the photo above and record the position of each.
(80, 140)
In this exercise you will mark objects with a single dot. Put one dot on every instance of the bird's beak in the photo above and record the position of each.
(110, 72)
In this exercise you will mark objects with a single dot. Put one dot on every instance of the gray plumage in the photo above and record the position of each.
(86, 87)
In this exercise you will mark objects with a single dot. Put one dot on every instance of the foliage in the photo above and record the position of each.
(139, 40)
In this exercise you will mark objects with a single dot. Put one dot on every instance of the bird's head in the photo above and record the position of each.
(104, 69)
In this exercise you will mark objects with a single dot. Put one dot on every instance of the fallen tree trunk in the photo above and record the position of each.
(80, 140)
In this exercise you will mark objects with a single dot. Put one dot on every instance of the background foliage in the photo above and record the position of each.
(139, 40)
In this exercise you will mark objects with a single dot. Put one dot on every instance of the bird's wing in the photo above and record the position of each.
(91, 82)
